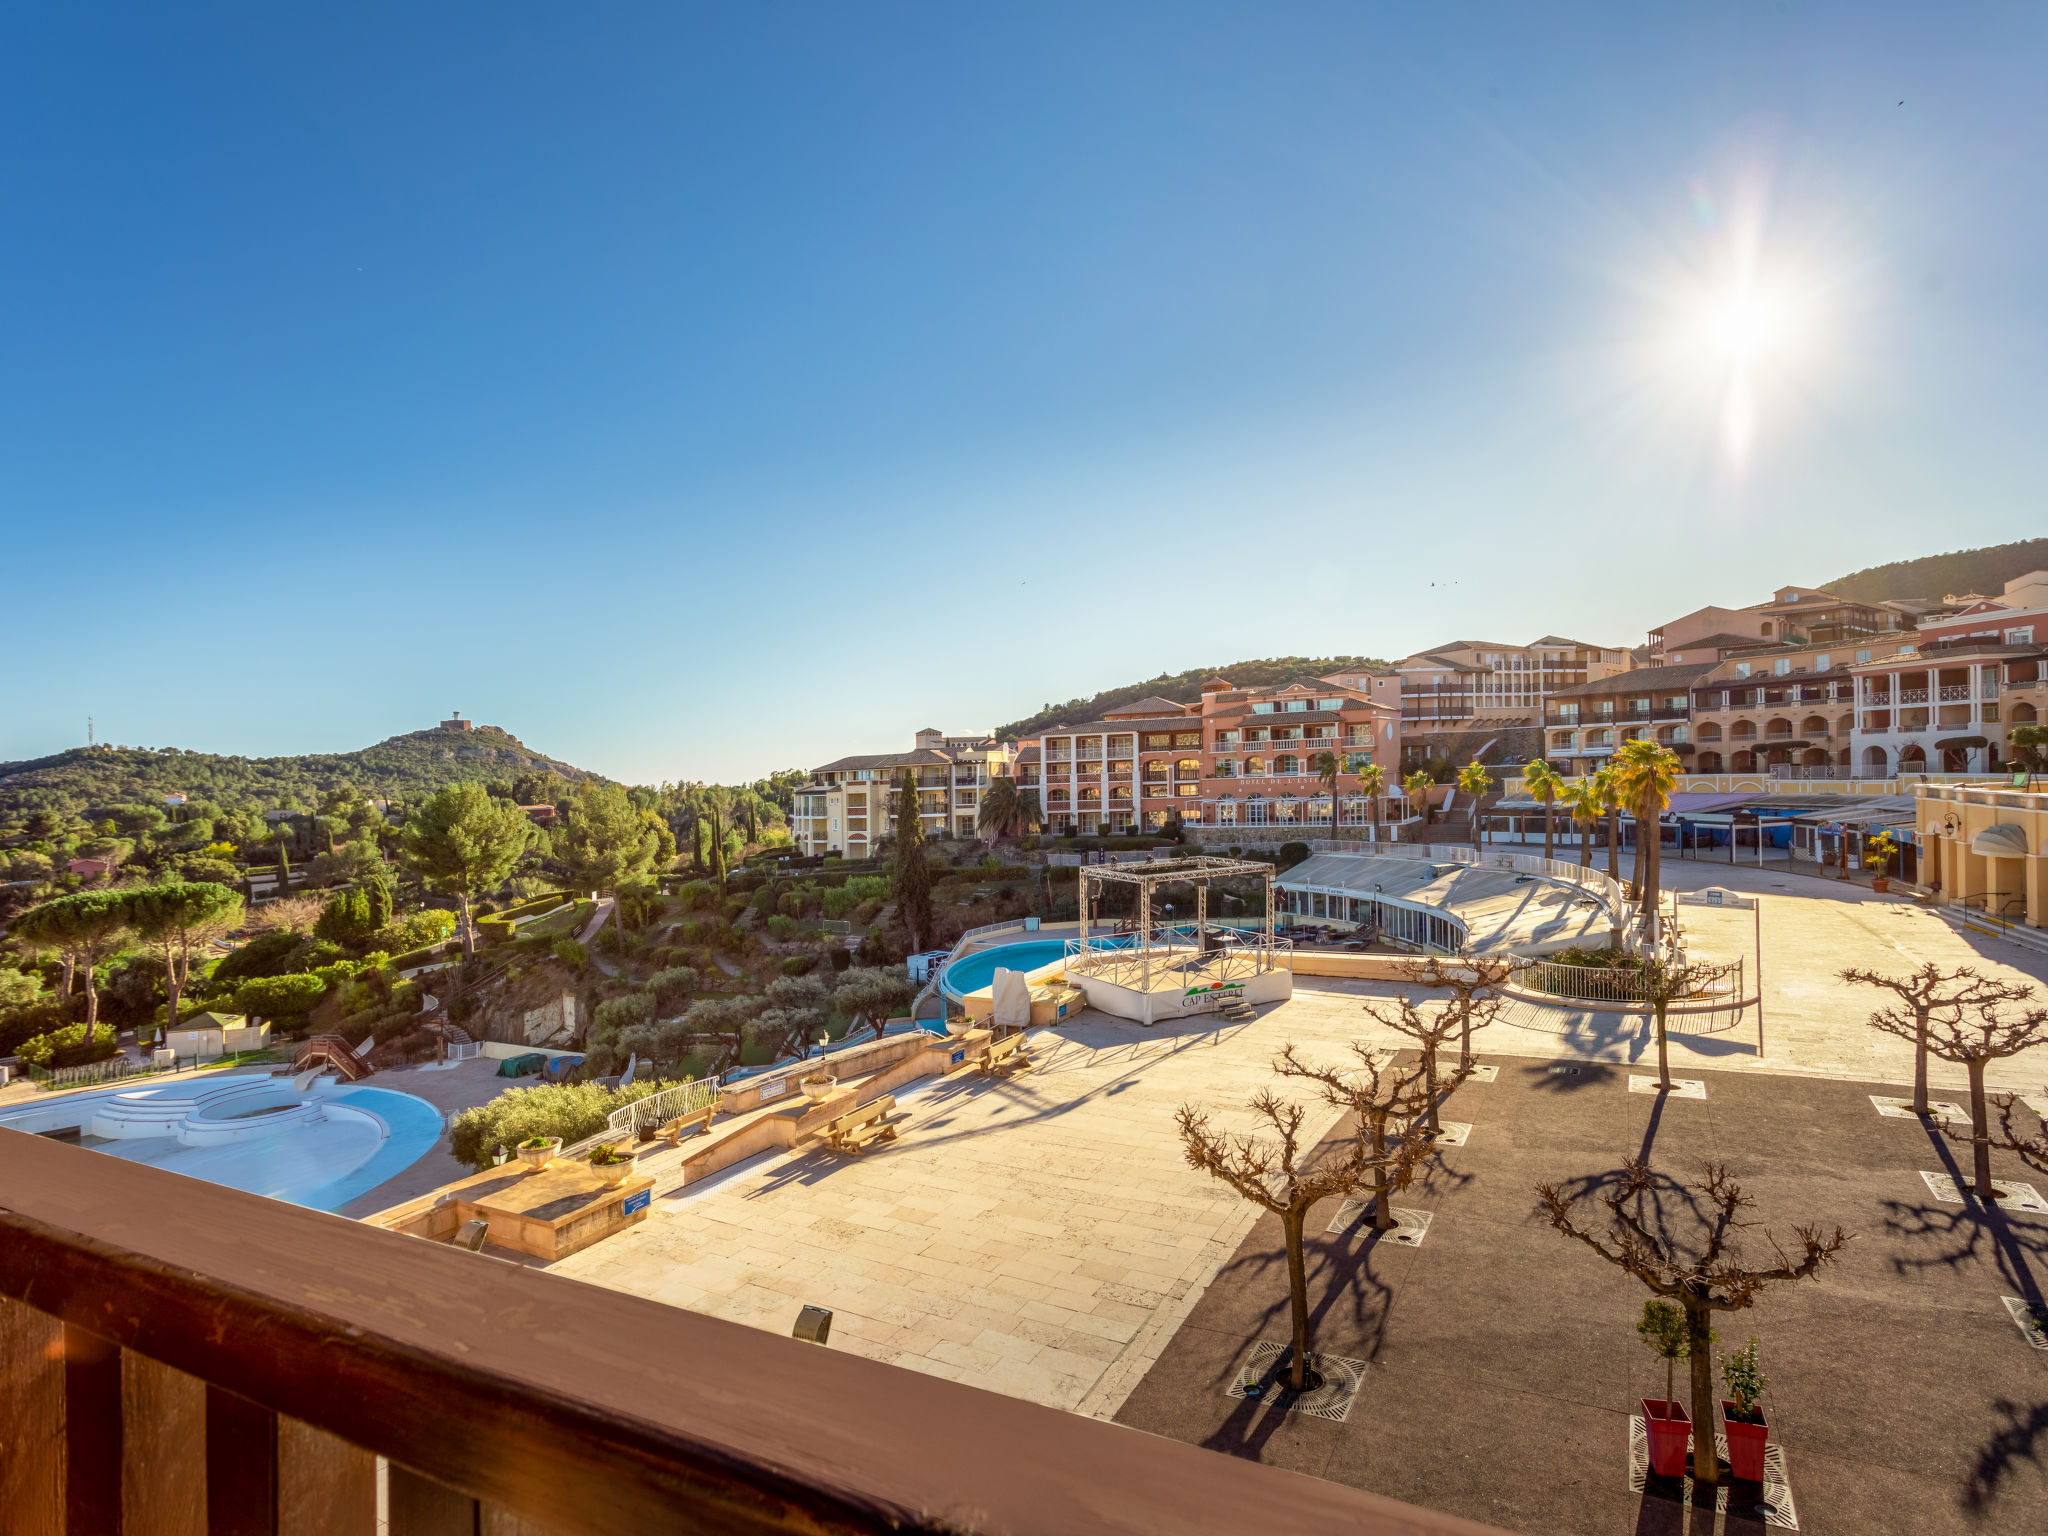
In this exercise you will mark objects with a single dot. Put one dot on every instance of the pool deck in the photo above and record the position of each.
(1043, 1236)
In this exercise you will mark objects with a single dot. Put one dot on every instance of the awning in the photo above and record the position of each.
(1688, 802)
(2004, 842)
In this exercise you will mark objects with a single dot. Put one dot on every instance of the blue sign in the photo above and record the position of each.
(637, 1201)
(959, 1056)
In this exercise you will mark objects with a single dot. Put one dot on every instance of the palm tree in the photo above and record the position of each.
(1327, 770)
(1583, 801)
(1372, 780)
(1475, 781)
(1610, 807)
(1645, 775)
(1418, 786)
(997, 818)
(1543, 781)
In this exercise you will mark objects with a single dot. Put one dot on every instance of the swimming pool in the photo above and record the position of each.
(972, 972)
(319, 1148)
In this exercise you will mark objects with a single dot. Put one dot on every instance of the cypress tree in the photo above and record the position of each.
(913, 864)
(379, 901)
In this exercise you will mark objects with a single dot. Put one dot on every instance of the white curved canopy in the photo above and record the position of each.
(2004, 842)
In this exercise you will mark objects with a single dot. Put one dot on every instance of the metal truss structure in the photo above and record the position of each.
(1175, 954)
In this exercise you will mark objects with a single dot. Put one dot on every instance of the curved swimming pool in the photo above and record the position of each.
(319, 1149)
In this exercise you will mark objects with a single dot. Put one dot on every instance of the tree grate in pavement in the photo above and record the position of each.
(1409, 1228)
(1681, 1087)
(2032, 1321)
(1772, 1498)
(1261, 1377)
(2013, 1195)
(1902, 1109)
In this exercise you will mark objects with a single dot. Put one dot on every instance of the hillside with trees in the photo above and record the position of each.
(1184, 688)
(408, 767)
(1984, 570)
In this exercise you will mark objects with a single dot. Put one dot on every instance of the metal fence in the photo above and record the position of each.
(1620, 984)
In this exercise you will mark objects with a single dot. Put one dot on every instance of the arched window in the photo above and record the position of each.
(1255, 767)
(1286, 764)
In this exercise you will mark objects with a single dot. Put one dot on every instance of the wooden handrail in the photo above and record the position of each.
(581, 1409)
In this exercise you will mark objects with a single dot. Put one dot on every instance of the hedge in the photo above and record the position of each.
(500, 926)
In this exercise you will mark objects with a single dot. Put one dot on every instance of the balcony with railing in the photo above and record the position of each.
(184, 1356)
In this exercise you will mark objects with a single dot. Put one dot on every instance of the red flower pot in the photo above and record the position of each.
(1669, 1429)
(1746, 1441)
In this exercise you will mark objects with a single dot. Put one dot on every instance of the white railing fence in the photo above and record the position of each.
(1618, 984)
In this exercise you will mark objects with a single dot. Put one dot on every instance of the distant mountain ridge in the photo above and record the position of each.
(1184, 688)
(401, 767)
(1985, 570)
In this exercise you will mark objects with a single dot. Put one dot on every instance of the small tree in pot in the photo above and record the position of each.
(1748, 1434)
(1662, 1327)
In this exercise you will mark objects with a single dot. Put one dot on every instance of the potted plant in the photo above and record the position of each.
(611, 1164)
(818, 1085)
(1662, 1327)
(538, 1151)
(1743, 1417)
(1877, 857)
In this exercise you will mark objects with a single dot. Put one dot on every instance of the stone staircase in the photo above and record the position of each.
(1973, 922)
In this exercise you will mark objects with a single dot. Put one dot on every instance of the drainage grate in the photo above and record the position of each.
(1259, 1377)
(1563, 1071)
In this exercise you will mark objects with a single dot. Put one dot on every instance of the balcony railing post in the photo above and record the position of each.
(241, 1466)
(92, 1431)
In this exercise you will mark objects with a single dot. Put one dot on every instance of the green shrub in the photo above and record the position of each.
(1292, 854)
(670, 987)
(416, 930)
(279, 995)
(799, 965)
(698, 895)
(571, 1111)
(68, 1047)
(782, 927)
(622, 1013)
(572, 954)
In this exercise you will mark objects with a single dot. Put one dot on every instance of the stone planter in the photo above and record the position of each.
(959, 1024)
(818, 1089)
(1746, 1440)
(1670, 1429)
(537, 1158)
(614, 1174)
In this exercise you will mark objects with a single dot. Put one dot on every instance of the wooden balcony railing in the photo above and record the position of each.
(177, 1356)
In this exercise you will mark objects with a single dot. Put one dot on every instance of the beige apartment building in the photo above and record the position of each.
(1238, 757)
(1459, 699)
(849, 805)
(1785, 710)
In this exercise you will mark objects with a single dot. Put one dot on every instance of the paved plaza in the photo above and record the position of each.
(1500, 1364)
(1042, 1236)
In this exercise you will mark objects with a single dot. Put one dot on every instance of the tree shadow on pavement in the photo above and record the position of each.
(2018, 1439)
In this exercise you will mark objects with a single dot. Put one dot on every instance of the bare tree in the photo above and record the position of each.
(1973, 1044)
(1429, 1034)
(1924, 995)
(1477, 984)
(1377, 1098)
(2031, 1150)
(1664, 982)
(1272, 1172)
(1703, 1276)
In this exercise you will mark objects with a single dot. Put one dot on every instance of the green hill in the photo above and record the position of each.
(1184, 688)
(1984, 570)
(405, 767)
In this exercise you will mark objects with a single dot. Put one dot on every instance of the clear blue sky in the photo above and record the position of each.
(699, 390)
